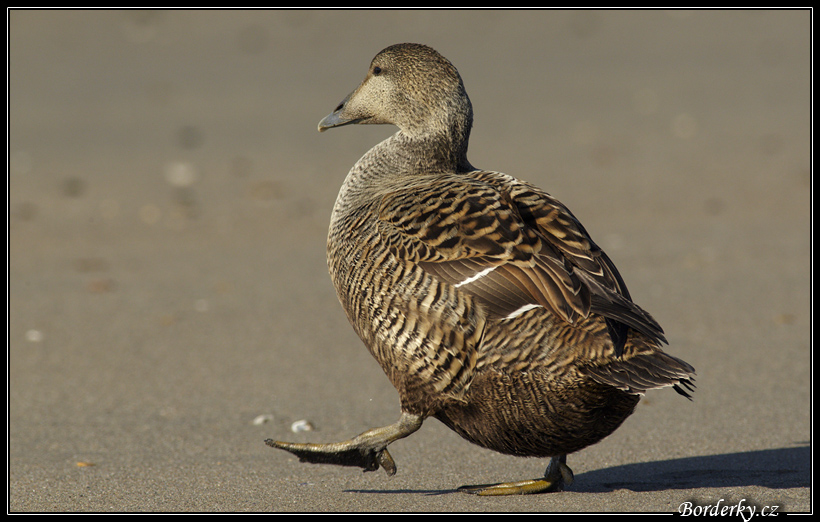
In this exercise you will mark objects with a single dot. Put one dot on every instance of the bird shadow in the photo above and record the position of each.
(781, 468)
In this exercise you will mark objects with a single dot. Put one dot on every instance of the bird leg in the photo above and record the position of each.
(367, 451)
(555, 478)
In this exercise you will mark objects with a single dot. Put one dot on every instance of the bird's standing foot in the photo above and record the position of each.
(557, 476)
(367, 451)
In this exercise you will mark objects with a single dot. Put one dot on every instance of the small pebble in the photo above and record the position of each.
(301, 425)
(181, 173)
(262, 419)
(34, 336)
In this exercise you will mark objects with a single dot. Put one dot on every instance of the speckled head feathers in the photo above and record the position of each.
(413, 87)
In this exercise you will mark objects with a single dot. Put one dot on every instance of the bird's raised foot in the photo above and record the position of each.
(557, 476)
(346, 453)
(367, 451)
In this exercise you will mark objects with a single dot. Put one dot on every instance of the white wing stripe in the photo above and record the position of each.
(521, 310)
(476, 277)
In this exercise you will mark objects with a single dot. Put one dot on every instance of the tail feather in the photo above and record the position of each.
(646, 372)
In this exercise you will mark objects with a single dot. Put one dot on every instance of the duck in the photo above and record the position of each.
(482, 297)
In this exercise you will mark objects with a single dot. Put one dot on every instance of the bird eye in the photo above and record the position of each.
(377, 71)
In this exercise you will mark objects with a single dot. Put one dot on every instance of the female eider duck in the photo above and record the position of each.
(482, 297)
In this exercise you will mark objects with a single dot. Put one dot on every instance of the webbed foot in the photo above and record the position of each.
(557, 476)
(367, 451)
(347, 453)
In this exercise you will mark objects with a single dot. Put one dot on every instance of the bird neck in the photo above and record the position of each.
(441, 147)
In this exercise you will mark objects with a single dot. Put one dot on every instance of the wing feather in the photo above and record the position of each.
(512, 246)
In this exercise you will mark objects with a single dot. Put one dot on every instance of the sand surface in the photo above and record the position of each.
(169, 303)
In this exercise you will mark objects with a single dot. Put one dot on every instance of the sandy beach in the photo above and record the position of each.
(169, 302)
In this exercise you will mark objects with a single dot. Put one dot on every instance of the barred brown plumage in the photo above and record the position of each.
(482, 297)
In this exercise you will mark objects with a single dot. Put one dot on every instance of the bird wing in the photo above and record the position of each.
(513, 247)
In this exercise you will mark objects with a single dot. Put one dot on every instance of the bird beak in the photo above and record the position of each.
(338, 117)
